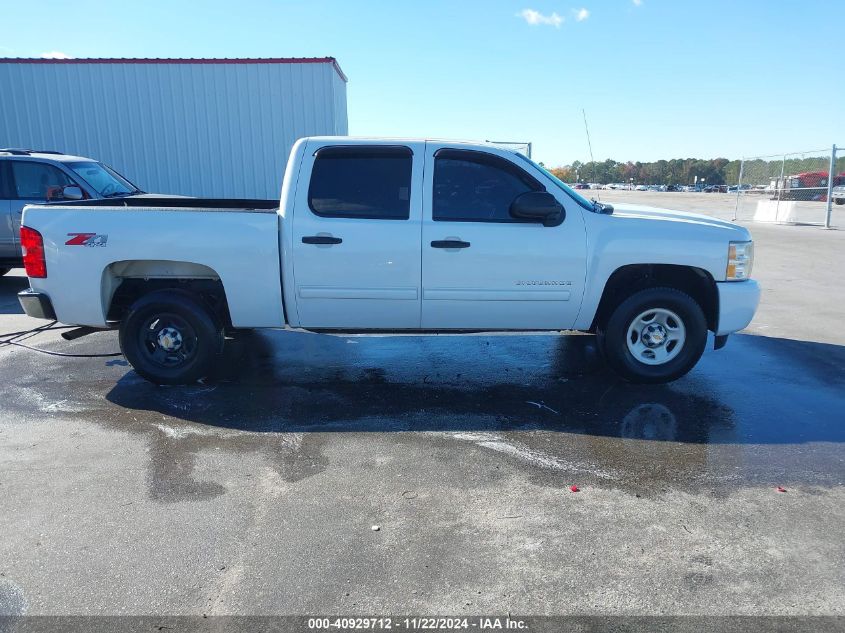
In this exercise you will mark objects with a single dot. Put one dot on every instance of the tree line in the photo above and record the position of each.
(686, 171)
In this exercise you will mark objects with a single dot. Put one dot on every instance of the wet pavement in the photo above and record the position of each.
(547, 402)
(256, 491)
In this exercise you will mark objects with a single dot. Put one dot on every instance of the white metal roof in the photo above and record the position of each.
(178, 60)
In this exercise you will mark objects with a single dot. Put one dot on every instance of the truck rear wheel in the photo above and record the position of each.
(170, 338)
(656, 335)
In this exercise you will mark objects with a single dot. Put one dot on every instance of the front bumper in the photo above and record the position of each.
(738, 301)
(36, 304)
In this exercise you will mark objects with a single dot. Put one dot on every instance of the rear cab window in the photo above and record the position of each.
(365, 182)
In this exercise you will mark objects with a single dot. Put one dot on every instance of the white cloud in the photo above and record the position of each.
(637, 3)
(535, 17)
(582, 14)
(55, 55)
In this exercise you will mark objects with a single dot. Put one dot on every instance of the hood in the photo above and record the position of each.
(634, 211)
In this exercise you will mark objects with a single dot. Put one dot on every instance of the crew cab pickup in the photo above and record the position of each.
(391, 235)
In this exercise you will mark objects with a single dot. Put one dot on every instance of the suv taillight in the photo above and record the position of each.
(32, 245)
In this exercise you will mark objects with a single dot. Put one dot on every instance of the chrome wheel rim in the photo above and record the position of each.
(656, 336)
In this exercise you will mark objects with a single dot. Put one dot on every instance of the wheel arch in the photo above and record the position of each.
(125, 281)
(626, 280)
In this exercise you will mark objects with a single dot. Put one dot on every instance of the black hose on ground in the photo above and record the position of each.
(14, 339)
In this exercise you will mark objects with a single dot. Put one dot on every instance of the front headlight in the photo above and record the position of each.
(740, 260)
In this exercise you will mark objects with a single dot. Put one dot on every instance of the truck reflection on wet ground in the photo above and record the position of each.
(273, 382)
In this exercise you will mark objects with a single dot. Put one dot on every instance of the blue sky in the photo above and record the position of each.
(657, 78)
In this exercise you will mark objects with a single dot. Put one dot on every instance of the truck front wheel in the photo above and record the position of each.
(170, 338)
(656, 335)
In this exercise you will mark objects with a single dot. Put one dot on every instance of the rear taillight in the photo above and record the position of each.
(32, 245)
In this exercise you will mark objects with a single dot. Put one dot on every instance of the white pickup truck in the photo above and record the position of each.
(391, 235)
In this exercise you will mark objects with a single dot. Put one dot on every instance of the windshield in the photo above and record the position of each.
(566, 188)
(104, 180)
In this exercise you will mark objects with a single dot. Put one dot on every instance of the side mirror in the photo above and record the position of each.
(71, 192)
(540, 206)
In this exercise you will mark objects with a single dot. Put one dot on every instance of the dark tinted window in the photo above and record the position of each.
(361, 182)
(34, 181)
(5, 187)
(474, 186)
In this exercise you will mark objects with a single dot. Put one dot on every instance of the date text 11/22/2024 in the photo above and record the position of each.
(405, 623)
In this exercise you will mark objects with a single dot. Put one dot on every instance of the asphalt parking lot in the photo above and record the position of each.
(257, 492)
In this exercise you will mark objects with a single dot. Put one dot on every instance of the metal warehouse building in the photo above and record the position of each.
(197, 127)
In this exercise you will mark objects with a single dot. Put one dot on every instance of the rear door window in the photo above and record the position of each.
(37, 181)
(361, 182)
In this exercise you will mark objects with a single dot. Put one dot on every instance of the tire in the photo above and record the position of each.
(839, 200)
(3, 271)
(637, 338)
(170, 338)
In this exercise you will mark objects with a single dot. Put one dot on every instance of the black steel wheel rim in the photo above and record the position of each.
(168, 340)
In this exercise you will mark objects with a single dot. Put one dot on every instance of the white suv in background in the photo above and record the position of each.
(29, 176)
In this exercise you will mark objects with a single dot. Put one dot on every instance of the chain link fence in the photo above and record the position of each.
(793, 188)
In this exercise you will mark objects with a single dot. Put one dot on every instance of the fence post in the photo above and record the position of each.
(830, 187)
(780, 188)
(738, 185)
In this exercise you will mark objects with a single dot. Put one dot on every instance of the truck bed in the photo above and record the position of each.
(93, 246)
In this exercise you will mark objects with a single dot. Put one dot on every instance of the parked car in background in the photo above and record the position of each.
(33, 177)
(838, 193)
(808, 185)
(641, 188)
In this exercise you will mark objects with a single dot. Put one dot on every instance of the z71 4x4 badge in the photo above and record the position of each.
(86, 239)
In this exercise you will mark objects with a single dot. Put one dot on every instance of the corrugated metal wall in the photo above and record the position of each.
(198, 129)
